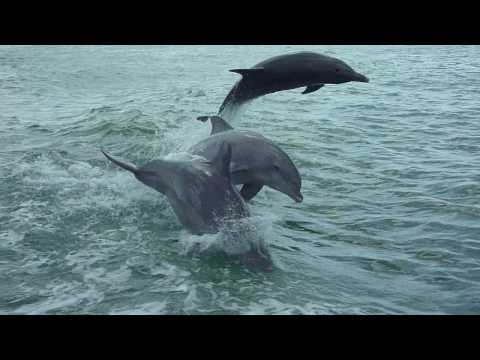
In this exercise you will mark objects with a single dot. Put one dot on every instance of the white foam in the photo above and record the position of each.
(234, 113)
(191, 301)
(151, 308)
(277, 307)
(189, 133)
(234, 238)
(60, 296)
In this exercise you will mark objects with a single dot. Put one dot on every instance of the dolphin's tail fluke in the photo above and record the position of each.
(123, 165)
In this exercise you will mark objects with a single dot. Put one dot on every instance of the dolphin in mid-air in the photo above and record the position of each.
(256, 160)
(202, 196)
(290, 71)
(200, 192)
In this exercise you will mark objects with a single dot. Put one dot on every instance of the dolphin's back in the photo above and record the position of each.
(240, 140)
(291, 61)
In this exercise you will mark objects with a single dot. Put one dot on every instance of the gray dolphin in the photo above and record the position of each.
(256, 160)
(200, 192)
(290, 71)
(203, 198)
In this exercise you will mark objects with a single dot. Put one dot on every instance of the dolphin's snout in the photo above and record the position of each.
(360, 78)
(298, 198)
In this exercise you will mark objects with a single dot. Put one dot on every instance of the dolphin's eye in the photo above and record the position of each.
(337, 70)
(276, 167)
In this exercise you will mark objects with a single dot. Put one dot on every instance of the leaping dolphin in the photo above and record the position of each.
(200, 192)
(290, 71)
(256, 160)
(202, 196)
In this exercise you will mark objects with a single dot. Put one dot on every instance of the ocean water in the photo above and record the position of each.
(391, 181)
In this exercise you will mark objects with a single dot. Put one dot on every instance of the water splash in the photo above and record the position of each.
(245, 240)
(233, 112)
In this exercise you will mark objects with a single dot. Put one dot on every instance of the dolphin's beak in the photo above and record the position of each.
(298, 198)
(360, 78)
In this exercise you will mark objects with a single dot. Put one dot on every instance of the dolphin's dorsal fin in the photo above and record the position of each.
(222, 159)
(312, 88)
(219, 125)
(248, 72)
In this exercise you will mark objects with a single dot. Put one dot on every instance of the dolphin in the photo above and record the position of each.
(256, 160)
(290, 71)
(200, 192)
(203, 198)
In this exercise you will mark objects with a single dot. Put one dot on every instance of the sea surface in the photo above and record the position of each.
(390, 222)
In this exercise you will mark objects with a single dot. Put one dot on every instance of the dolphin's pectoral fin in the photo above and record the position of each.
(249, 190)
(312, 88)
(247, 72)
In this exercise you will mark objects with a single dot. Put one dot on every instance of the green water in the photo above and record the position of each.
(390, 169)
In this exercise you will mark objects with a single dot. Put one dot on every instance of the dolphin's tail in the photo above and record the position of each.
(123, 165)
(230, 100)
